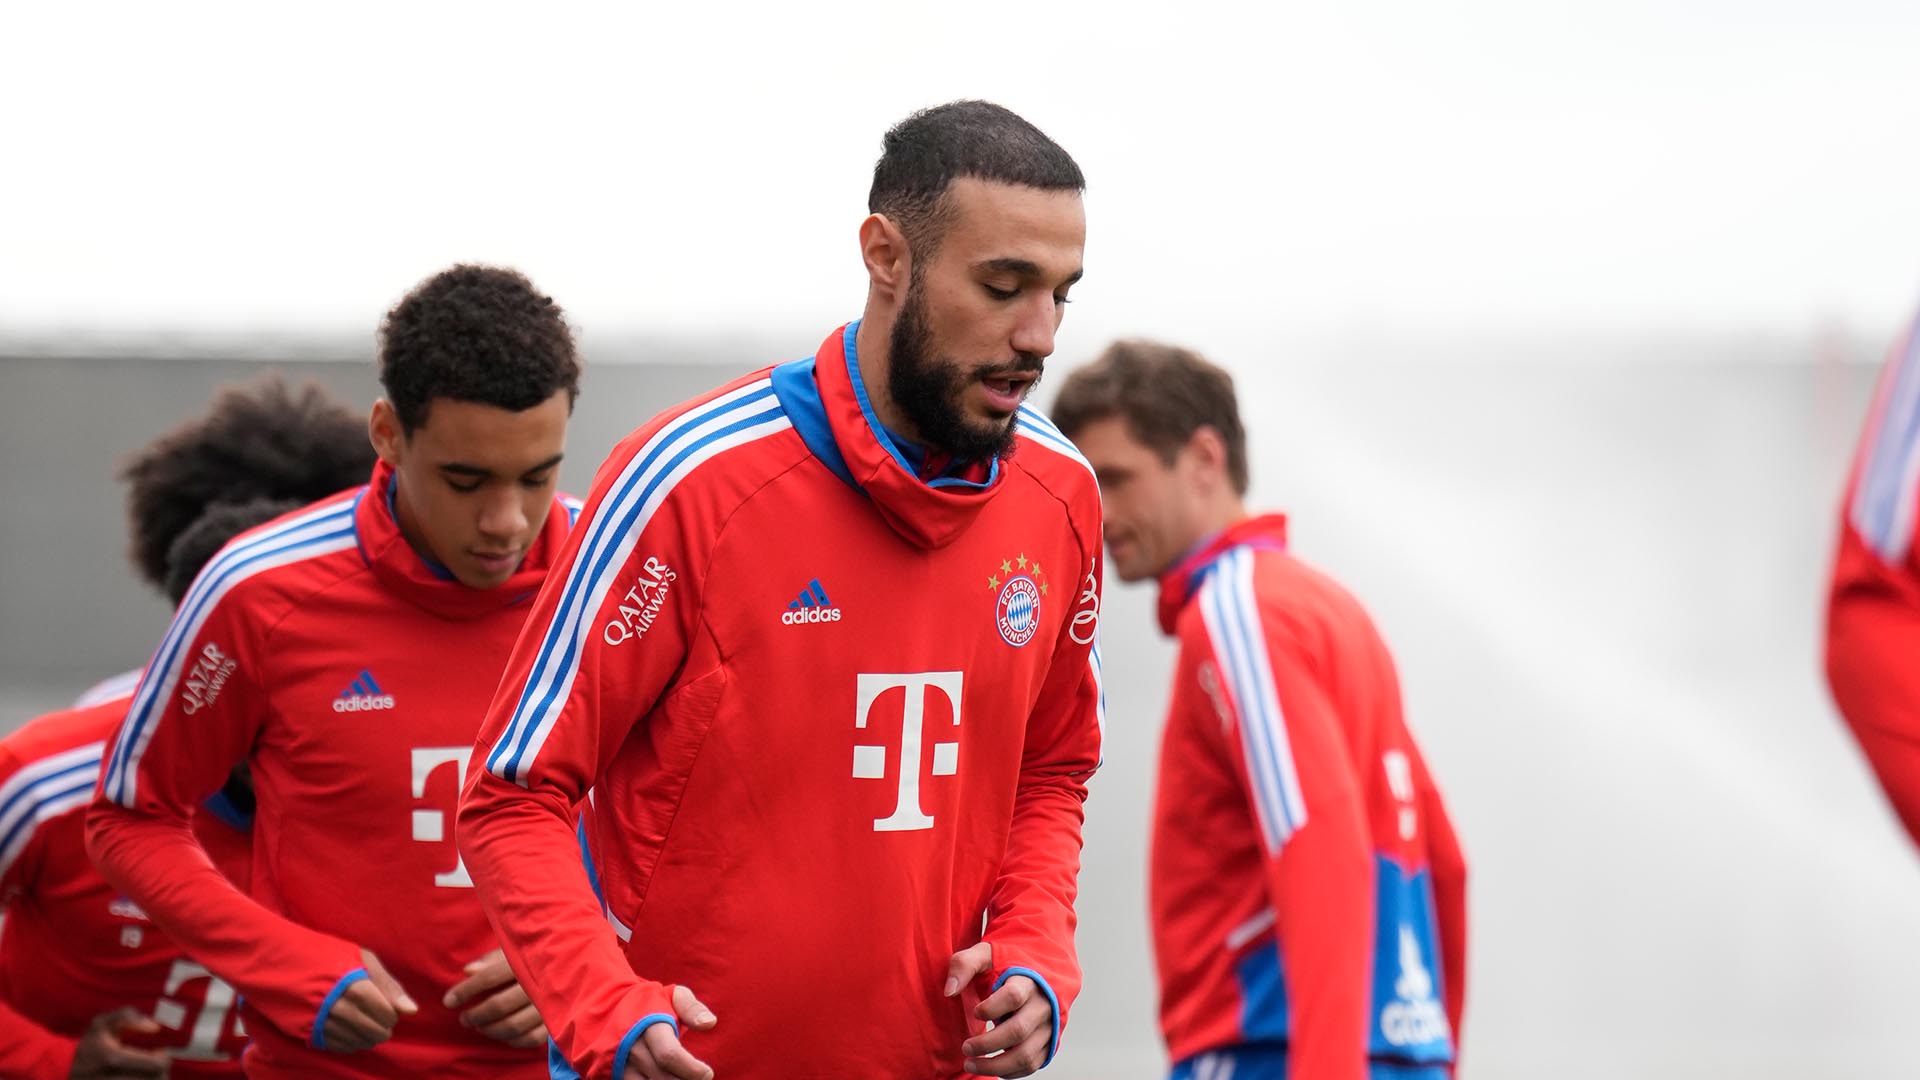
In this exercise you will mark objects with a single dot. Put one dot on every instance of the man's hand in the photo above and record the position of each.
(658, 1055)
(363, 1016)
(1021, 1015)
(504, 1012)
(102, 1056)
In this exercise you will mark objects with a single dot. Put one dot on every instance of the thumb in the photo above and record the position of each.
(389, 986)
(691, 1012)
(967, 965)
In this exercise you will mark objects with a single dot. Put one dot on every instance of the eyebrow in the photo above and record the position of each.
(1024, 268)
(479, 473)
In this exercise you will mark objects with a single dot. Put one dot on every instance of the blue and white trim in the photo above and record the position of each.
(311, 535)
(114, 686)
(42, 791)
(1039, 429)
(1232, 613)
(319, 1037)
(733, 419)
(1883, 502)
(1099, 695)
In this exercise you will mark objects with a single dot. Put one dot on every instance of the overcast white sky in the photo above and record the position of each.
(1478, 165)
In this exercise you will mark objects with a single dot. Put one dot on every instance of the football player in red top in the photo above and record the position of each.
(1308, 895)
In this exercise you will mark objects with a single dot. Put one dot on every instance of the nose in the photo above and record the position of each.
(1034, 332)
(503, 516)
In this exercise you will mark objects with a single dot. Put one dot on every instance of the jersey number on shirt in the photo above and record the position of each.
(210, 1025)
(430, 826)
(870, 760)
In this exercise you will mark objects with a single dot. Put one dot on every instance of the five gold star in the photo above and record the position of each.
(993, 583)
(1022, 560)
(1036, 568)
(1006, 567)
(1043, 588)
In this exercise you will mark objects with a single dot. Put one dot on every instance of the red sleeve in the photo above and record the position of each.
(31, 1052)
(1448, 864)
(607, 634)
(1873, 611)
(1301, 788)
(195, 714)
(1030, 917)
(27, 1050)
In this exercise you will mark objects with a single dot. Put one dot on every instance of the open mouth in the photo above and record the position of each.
(1005, 392)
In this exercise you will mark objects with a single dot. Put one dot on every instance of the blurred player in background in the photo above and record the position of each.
(346, 653)
(1308, 894)
(822, 651)
(88, 987)
(1873, 612)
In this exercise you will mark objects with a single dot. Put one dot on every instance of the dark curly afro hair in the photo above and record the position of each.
(221, 522)
(261, 441)
(476, 333)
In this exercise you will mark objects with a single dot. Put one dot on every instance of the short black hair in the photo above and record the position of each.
(924, 154)
(260, 441)
(476, 333)
(1163, 393)
(222, 521)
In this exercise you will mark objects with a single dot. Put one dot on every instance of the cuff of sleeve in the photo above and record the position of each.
(633, 1036)
(1053, 1044)
(319, 1038)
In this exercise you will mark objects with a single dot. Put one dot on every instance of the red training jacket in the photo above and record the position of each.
(350, 675)
(1307, 888)
(72, 947)
(1873, 612)
(838, 721)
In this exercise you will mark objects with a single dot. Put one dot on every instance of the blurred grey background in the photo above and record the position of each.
(1602, 576)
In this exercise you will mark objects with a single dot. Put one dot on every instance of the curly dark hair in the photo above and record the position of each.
(261, 441)
(476, 333)
(221, 522)
(924, 154)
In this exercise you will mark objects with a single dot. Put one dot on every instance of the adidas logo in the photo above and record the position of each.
(811, 606)
(363, 695)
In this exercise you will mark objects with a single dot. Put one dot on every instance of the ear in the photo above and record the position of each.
(386, 432)
(1208, 453)
(883, 247)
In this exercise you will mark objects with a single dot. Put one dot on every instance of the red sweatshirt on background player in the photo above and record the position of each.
(1308, 895)
(345, 652)
(72, 946)
(1873, 613)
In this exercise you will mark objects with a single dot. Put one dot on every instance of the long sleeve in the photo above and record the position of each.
(1300, 785)
(31, 1052)
(196, 713)
(1873, 613)
(27, 1050)
(608, 633)
(1030, 916)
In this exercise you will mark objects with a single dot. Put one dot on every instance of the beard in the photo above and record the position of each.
(930, 389)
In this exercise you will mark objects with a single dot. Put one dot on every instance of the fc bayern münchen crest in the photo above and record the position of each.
(1018, 612)
(1021, 585)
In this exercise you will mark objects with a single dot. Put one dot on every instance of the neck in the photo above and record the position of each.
(1215, 517)
(873, 342)
(403, 517)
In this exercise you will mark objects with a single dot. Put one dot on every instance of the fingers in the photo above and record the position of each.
(483, 975)
(658, 1055)
(690, 1011)
(1012, 996)
(125, 1061)
(361, 1018)
(1021, 1034)
(388, 986)
(494, 1009)
(967, 965)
